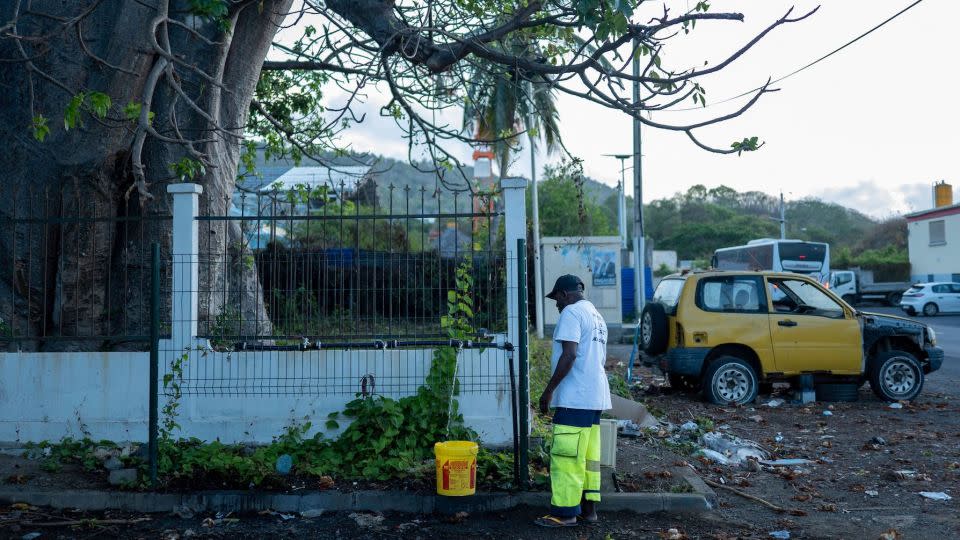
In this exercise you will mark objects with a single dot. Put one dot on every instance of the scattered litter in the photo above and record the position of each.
(367, 521)
(459, 517)
(30, 536)
(673, 534)
(774, 403)
(879, 441)
(896, 405)
(183, 511)
(286, 517)
(208, 523)
(714, 456)
(902, 474)
(756, 418)
(189, 533)
(778, 438)
(780, 535)
(689, 426)
(312, 513)
(284, 464)
(872, 493)
(935, 495)
(785, 462)
(828, 413)
(892, 534)
(734, 449)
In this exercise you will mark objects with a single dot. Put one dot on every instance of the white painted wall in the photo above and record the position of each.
(941, 261)
(666, 257)
(48, 396)
(576, 255)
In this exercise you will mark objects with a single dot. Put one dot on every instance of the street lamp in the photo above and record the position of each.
(622, 203)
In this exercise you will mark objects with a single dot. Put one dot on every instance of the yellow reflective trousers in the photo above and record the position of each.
(574, 468)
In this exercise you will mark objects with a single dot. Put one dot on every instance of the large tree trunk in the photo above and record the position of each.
(91, 278)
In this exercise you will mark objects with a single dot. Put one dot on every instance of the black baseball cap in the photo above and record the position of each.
(567, 283)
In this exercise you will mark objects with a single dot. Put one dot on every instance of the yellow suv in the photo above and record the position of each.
(730, 333)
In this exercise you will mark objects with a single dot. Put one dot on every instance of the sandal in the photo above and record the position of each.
(552, 522)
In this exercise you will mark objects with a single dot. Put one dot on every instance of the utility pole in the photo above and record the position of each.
(622, 203)
(537, 272)
(783, 218)
(639, 249)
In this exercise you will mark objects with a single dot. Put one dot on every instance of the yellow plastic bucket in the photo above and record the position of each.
(456, 468)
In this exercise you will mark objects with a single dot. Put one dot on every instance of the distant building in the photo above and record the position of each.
(934, 239)
(266, 195)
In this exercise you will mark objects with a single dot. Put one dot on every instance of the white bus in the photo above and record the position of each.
(797, 256)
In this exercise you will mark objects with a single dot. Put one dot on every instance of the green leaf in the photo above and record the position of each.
(71, 115)
(100, 103)
(132, 110)
(40, 127)
(332, 424)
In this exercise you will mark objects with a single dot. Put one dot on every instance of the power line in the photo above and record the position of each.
(811, 64)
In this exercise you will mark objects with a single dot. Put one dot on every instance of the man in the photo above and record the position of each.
(578, 391)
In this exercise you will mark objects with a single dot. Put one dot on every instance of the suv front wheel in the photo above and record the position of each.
(730, 380)
(896, 376)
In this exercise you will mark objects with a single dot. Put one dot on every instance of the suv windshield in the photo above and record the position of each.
(668, 294)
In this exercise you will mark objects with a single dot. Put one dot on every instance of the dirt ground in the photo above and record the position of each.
(870, 463)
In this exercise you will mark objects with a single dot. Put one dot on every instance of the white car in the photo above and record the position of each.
(931, 298)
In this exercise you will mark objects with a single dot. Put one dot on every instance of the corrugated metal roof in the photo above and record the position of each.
(318, 176)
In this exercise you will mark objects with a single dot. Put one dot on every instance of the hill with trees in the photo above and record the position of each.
(692, 223)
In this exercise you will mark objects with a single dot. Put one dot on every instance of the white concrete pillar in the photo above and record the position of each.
(515, 227)
(184, 251)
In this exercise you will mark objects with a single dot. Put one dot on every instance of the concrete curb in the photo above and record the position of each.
(333, 501)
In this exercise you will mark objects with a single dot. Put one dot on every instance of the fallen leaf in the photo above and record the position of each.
(827, 507)
(326, 482)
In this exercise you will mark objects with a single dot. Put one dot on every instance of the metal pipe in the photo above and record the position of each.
(537, 265)
(639, 249)
(522, 327)
(154, 358)
(514, 421)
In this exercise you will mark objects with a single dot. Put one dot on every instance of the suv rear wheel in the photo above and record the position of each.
(730, 380)
(896, 376)
(653, 329)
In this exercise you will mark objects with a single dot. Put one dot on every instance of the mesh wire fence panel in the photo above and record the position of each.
(76, 267)
(333, 292)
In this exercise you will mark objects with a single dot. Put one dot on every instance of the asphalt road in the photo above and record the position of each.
(947, 327)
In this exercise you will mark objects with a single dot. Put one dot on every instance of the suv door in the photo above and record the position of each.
(730, 309)
(810, 331)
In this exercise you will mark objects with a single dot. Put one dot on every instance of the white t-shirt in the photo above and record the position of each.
(586, 386)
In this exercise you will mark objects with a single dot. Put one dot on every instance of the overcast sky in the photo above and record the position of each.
(871, 127)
